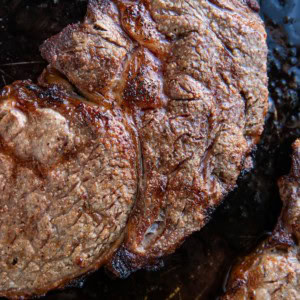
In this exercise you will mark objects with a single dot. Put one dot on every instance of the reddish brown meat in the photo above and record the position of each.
(181, 85)
(193, 76)
(273, 270)
(67, 182)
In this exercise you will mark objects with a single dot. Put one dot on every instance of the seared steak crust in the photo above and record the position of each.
(192, 74)
(67, 182)
(177, 86)
(273, 270)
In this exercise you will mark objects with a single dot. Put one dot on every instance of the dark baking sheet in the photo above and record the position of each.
(199, 268)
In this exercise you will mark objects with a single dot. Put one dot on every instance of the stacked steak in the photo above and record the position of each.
(68, 181)
(272, 271)
(174, 101)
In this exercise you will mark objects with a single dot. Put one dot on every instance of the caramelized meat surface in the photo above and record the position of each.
(192, 75)
(67, 182)
(273, 270)
(176, 98)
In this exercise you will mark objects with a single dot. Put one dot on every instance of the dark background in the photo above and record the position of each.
(197, 270)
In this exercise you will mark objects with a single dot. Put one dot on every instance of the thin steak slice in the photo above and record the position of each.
(272, 271)
(192, 76)
(67, 186)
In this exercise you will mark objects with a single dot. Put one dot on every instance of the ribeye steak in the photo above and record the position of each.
(272, 271)
(67, 181)
(180, 95)
(192, 74)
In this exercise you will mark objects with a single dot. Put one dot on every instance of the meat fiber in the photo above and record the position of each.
(67, 182)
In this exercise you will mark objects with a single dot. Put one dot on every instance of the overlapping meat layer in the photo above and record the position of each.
(272, 271)
(179, 84)
(67, 182)
(193, 75)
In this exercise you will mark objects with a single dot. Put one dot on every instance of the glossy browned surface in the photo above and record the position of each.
(194, 76)
(248, 212)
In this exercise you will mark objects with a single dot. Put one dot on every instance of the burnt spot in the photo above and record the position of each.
(253, 4)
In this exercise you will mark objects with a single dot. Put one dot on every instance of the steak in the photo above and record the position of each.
(175, 95)
(67, 181)
(192, 75)
(272, 271)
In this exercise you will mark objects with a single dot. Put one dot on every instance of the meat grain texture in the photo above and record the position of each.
(67, 180)
(272, 271)
(180, 95)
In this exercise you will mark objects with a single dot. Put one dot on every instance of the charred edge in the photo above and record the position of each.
(55, 95)
(208, 213)
(121, 265)
(51, 95)
(281, 237)
(253, 4)
(124, 263)
(25, 90)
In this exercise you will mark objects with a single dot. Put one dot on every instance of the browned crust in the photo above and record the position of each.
(163, 75)
(27, 97)
(201, 124)
(279, 253)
